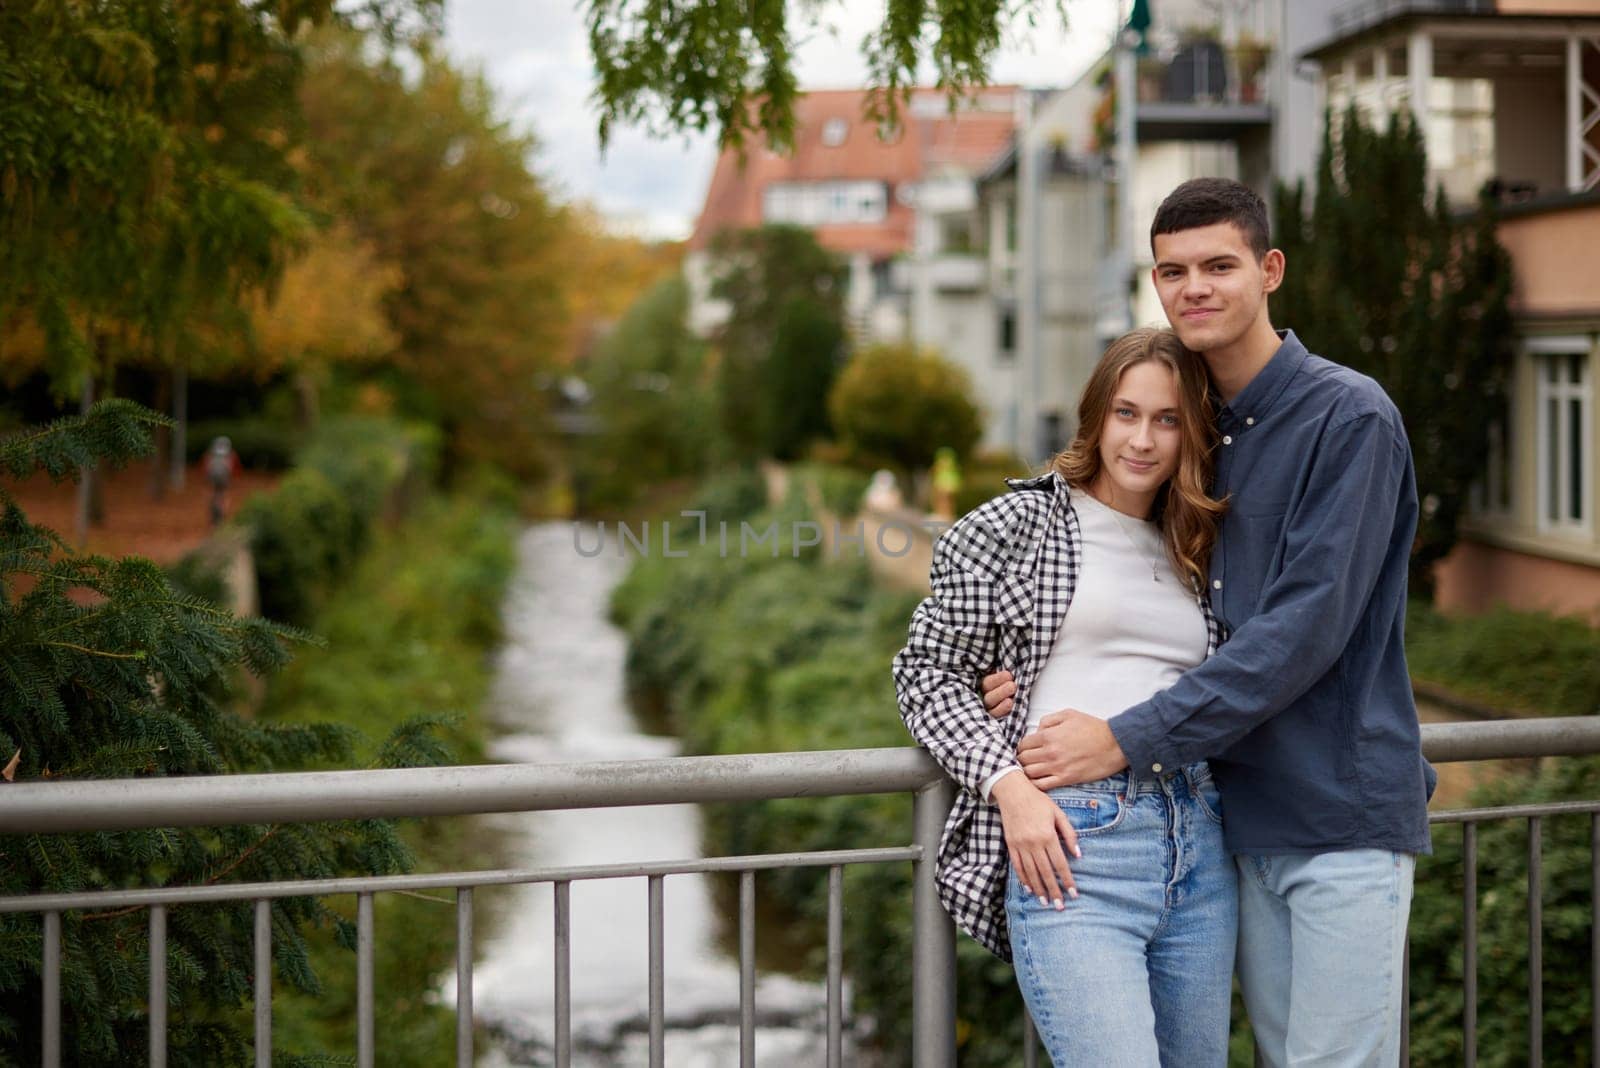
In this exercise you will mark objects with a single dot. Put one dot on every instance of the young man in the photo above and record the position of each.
(1306, 711)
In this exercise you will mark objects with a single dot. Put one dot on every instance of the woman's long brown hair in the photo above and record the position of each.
(1185, 514)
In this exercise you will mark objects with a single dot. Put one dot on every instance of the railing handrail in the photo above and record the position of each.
(302, 797)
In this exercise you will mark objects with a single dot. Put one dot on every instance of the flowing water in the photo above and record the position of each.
(558, 696)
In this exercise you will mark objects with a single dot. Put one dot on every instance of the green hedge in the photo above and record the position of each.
(764, 654)
(309, 530)
(407, 643)
(1526, 661)
(1568, 911)
(263, 444)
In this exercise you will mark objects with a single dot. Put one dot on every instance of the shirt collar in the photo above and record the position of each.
(1256, 399)
(1050, 480)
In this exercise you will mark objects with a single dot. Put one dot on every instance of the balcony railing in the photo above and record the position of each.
(126, 804)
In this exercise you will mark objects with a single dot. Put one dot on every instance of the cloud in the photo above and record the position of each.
(536, 55)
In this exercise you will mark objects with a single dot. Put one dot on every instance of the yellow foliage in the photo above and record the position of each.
(328, 307)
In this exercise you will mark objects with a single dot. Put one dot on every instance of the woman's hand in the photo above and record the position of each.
(1035, 830)
(999, 692)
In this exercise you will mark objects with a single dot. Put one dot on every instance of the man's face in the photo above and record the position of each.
(1211, 285)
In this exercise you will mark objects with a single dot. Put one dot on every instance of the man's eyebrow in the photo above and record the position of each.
(1231, 257)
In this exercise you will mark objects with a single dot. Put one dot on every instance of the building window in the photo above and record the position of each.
(1565, 433)
(820, 203)
(834, 132)
(1007, 348)
(1491, 495)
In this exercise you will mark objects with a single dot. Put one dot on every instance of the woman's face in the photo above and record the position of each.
(1140, 439)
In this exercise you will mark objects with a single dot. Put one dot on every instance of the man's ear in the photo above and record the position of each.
(1272, 266)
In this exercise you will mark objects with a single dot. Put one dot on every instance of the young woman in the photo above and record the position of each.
(1115, 900)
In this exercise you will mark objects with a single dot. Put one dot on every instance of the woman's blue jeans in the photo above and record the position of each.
(1137, 971)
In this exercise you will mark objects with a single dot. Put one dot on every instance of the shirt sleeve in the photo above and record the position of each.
(1335, 544)
(953, 641)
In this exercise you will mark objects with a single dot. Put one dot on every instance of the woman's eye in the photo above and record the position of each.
(1169, 420)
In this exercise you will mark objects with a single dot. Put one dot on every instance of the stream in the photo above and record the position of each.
(558, 695)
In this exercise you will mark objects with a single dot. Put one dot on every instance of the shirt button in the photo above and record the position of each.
(1156, 768)
(1216, 584)
(1227, 439)
(1250, 421)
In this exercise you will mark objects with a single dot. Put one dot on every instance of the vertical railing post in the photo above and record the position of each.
(933, 945)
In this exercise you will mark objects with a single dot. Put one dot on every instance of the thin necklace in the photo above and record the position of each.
(1116, 517)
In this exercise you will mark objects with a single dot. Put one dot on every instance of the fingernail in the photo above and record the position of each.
(1043, 900)
(1073, 893)
(1077, 852)
(1060, 905)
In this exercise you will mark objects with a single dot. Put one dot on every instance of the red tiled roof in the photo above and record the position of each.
(930, 138)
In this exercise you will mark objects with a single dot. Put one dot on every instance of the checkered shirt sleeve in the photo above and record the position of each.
(952, 643)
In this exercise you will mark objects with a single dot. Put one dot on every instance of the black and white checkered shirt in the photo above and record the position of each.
(1002, 579)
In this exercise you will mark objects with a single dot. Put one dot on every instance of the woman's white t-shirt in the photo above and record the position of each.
(1127, 635)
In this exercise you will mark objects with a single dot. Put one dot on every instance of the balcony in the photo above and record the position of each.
(109, 805)
(957, 272)
(1204, 90)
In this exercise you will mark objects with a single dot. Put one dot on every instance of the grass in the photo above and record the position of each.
(408, 634)
(1523, 662)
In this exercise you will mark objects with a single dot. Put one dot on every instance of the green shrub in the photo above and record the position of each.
(898, 405)
(652, 400)
(984, 476)
(262, 444)
(1568, 910)
(840, 488)
(407, 638)
(1518, 660)
(756, 654)
(306, 533)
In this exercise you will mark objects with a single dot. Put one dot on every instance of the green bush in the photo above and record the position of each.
(1543, 664)
(1568, 910)
(984, 476)
(308, 531)
(840, 488)
(764, 654)
(407, 638)
(896, 404)
(262, 444)
(652, 400)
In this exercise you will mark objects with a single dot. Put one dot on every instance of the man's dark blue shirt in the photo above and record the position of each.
(1306, 711)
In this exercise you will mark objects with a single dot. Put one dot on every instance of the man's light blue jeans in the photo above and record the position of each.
(1138, 970)
(1321, 945)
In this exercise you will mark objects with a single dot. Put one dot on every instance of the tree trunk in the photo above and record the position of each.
(84, 510)
(178, 454)
(160, 459)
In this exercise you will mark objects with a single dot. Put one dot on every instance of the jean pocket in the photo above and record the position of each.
(1089, 812)
(1210, 799)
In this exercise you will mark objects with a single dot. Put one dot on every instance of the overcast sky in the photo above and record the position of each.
(536, 54)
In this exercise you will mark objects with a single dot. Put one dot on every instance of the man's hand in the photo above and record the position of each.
(1070, 747)
(1036, 830)
(999, 691)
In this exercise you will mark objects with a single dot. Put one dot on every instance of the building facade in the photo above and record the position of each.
(1508, 93)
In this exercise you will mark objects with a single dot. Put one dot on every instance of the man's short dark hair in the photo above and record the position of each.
(1207, 201)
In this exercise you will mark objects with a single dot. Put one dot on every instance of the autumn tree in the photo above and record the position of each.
(730, 66)
(780, 347)
(147, 189)
(1426, 314)
(108, 671)
(425, 172)
(327, 311)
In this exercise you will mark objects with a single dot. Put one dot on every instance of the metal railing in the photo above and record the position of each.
(126, 804)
